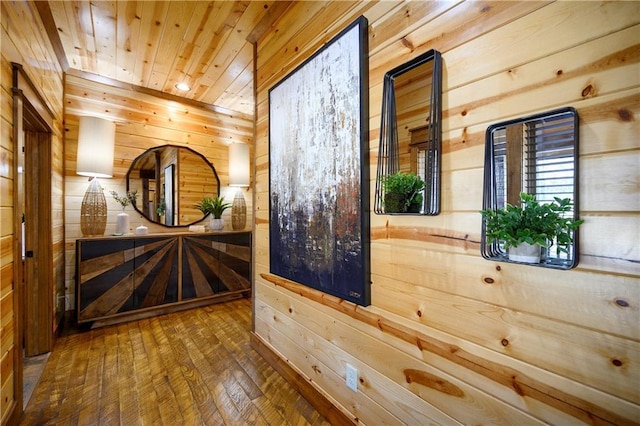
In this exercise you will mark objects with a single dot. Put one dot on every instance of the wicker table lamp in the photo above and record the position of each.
(239, 177)
(96, 139)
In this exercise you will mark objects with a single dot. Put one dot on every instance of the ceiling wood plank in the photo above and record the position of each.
(103, 15)
(129, 16)
(152, 45)
(52, 32)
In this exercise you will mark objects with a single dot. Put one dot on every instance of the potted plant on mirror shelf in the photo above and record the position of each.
(526, 228)
(214, 206)
(402, 192)
(122, 221)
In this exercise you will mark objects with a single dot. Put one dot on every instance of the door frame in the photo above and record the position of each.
(32, 115)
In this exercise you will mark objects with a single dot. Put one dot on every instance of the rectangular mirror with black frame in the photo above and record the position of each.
(408, 174)
(531, 189)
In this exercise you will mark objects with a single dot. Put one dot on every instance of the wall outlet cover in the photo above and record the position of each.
(352, 378)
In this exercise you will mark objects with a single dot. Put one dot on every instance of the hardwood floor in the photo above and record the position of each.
(193, 367)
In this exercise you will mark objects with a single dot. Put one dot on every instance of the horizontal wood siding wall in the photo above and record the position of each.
(143, 121)
(25, 41)
(450, 337)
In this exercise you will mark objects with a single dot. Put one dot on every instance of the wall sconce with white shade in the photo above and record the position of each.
(96, 139)
(239, 177)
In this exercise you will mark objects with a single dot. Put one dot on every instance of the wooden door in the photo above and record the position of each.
(37, 291)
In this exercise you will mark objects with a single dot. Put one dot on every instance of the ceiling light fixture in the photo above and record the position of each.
(184, 87)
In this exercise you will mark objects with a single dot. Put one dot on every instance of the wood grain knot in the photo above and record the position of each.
(616, 362)
(498, 268)
(406, 43)
(622, 303)
(516, 386)
(463, 113)
(290, 310)
(316, 369)
(432, 381)
(559, 72)
(505, 342)
(587, 91)
(419, 313)
(625, 114)
(488, 280)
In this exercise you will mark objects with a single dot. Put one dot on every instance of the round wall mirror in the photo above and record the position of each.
(170, 180)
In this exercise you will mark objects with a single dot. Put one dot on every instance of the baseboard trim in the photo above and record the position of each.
(299, 383)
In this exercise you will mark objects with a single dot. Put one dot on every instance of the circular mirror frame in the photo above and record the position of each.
(132, 168)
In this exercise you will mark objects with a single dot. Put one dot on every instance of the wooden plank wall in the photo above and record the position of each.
(450, 337)
(142, 121)
(25, 41)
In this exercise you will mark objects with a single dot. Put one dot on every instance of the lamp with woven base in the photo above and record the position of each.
(96, 139)
(93, 212)
(239, 177)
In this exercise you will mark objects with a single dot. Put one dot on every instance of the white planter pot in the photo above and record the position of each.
(216, 224)
(122, 224)
(526, 253)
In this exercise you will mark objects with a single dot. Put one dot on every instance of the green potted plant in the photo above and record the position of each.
(402, 192)
(524, 229)
(214, 206)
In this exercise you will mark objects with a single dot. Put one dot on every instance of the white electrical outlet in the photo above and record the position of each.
(352, 378)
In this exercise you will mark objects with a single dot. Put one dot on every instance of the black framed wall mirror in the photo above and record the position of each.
(538, 156)
(408, 174)
(170, 180)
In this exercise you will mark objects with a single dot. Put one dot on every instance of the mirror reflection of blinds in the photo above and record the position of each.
(548, 161)
(421, 163)
(548, 158)
(500, 158)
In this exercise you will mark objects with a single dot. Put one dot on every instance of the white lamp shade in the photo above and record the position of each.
(238, 164)
(96, 139)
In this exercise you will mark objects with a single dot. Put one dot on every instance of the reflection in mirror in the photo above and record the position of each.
(170, 181)
(410, 130)
(536, 155)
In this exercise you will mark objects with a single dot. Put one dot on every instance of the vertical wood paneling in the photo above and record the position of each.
(25, 41)
(520, 342)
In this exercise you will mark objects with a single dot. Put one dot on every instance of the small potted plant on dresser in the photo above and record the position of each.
(525, 229)
(402, 193)
(214, 206)
(122, 220)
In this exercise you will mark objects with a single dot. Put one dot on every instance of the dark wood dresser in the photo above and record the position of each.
(131, 277)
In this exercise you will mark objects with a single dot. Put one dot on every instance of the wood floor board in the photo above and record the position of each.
(193, 367)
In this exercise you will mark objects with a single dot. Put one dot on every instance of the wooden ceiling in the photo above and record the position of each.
(157, 44)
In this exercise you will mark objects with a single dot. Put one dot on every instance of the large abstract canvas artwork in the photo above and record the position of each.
(318, 170)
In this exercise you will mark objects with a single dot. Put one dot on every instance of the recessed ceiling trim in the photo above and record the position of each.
(168, 96)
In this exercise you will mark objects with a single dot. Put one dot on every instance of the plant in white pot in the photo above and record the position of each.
(214, 206)
(524, 229)
(122, 220)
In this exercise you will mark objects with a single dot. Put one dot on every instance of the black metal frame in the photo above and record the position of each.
(494, 251)
(388, 151)
(284, 257)
(156, 148)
